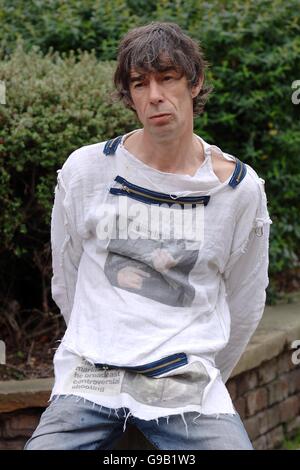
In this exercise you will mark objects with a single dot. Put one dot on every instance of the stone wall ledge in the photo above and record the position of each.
(280, 326)
(18, 394)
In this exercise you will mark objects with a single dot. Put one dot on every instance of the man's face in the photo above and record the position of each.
(162, 100)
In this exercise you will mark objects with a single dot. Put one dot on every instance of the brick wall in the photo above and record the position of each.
(266, 397)
(16, 427)
(268, 401)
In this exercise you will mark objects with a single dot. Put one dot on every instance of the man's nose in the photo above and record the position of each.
(155, 92)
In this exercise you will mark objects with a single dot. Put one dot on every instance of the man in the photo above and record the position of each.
(160, 265)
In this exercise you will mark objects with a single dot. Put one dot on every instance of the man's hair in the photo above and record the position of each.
(155, 47)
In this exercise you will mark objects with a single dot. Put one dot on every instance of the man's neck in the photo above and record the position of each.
(182, 154)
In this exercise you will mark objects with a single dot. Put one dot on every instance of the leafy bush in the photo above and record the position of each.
(92, 24)
(54, 105)
(254, 50)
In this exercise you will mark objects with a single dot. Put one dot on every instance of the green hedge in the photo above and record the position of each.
(65, 25)
(254, 50)
(57, 102)
(53, 106)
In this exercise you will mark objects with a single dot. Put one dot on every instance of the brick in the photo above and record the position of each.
(267, 371)
(20, 425)
(278, 390)
(232, 388)
(293, 427)
(256, 400)
(284, 363)
(289, 409)
(275, 438)
(294, 381)
(273, 417)
(252, 426)
(260, 443)
(12, 444)
(15, 401)
(262, 422)
(240, 405)
(246, 382)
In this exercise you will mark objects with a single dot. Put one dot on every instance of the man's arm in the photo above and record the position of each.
(246, 280)
(66, 251)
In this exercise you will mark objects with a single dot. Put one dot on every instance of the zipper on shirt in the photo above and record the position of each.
(153, 197)
(152, 369)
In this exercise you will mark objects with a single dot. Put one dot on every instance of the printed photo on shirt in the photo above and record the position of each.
(156, 269)
(181, 388)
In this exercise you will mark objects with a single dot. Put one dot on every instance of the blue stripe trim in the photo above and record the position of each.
(121, 180)
(162, 361)
(167, 369)
(238, 174)
(148, 200)
(170, 199)
(111, 145)
(161, 366)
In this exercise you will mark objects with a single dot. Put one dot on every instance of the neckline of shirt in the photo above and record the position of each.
(137, 161)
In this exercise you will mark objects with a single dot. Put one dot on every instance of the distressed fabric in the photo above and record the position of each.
(131, 302)
(194, 387)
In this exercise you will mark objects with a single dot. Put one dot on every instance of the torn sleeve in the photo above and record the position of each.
(246, 279)
(66, 246)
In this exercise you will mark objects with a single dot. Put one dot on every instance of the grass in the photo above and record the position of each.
(292, 443)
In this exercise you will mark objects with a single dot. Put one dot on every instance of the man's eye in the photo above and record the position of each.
(138, 85)
(168, 77)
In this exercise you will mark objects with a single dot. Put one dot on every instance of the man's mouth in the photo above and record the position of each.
(159, 115)
(160, 118)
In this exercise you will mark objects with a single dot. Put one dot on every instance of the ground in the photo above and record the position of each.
(31, 339)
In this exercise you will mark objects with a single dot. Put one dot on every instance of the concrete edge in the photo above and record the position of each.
(15, 395)
(279, 327)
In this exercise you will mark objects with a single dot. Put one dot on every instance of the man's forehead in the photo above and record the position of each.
(138, 72)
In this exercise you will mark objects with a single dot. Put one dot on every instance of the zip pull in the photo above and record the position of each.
(125, 188)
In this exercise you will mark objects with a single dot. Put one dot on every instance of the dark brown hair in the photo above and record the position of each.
(152, 47)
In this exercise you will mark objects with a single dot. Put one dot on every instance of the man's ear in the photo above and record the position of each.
(196, 88)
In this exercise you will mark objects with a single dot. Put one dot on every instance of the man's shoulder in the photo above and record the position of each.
(224, 164)
(222, 167)
(251, 189)
(84, 160)
(85, 154)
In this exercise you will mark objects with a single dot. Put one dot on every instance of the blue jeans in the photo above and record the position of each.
(72, 423)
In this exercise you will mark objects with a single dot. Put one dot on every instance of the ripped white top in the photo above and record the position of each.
(131, 301)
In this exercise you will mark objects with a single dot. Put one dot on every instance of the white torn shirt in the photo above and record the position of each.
(130, 316)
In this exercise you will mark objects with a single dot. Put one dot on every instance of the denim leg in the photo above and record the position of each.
(72, 423)
(197, 432)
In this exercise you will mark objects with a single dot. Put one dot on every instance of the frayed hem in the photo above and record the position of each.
(124, 427)
(186, 426)
(127, 412)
